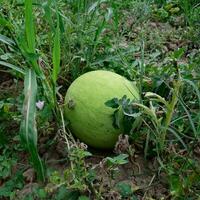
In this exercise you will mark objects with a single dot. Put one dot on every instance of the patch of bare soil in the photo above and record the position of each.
(8, 86)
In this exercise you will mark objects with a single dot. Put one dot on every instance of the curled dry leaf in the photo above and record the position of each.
(29, 175)
(122, 145)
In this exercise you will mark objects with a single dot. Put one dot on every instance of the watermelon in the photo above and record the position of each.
(90, 120)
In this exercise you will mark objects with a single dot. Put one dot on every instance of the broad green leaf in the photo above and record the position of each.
(30, 37)
(28, 131)
(29, 24)
(118, 160)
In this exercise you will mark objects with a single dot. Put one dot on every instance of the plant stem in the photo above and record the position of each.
(170, 111)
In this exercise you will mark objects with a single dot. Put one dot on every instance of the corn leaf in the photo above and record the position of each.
(28, 129)
(29, 24)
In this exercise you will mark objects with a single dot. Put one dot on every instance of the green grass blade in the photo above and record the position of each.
(48, 13)
(191, 83)
(6, 40)
(29, 24)
(56, 54)
(196, 134)
(28, 129)
(30, 36)
(178, 137)
(18, 69)
(5, 23)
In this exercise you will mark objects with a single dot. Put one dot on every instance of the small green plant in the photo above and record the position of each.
(156, 104)
(6, 164)
(8, 189)
(183, 175)
(77, 178)
(126, 190)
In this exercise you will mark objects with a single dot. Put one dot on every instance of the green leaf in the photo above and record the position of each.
(28, 131)
(195, 87)
(71, 195)
(56, 53)
(116, 119)
(42, 194)
(83, 198)
(113, 103)
(147, 111)
(61, 24)
(5, 22)
(176, 188)
(156, 97)
(118, 160)
(178, 54)
(48, 13)
(18, 69)
(16, 182)
(29, 25)
(6, 40)
(125, 189)
(29, 48)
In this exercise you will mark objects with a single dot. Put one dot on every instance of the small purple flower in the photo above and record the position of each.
(40, 105)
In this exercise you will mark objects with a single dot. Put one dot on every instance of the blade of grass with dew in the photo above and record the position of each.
(28, 129)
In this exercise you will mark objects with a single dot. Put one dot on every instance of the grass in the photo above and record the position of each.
(49, 44)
